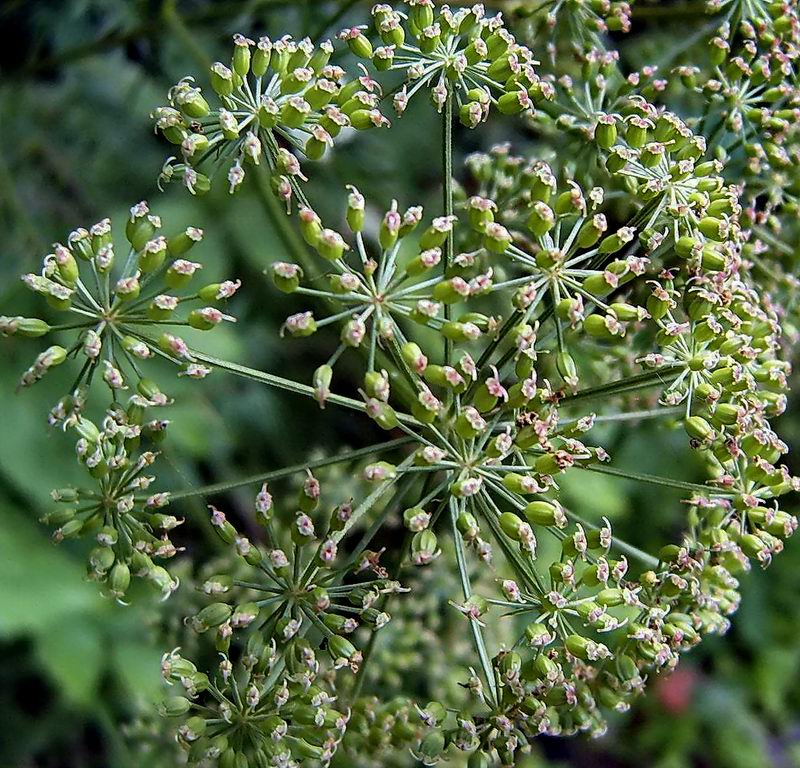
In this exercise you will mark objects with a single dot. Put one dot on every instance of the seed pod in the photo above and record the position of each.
(514, 102)
(286, 276)
(119, 579)
(355, 210)
(596, 325)
(605, 131)
(636, 130)
(511, 525)
(541, 513)
(340, 648)
(431, 746)
(460, 332)
(725, 414)
(212, 616)
(29, 327)
(541, 219)
(322, 383)
(330, 245)
(520, 484)
(699, 429)
(175, 706)
(451, 291)
(538, 635)
(358, 43)
(613, 243)
(591, 230)
(496, 238)
(715, 229)
(310, 226)
(470, 423)
(382, 413)
(566, 367)
(470, 114)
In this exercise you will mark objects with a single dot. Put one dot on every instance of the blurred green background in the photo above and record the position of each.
(78, 79)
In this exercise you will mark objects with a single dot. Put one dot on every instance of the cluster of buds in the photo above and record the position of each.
(379, 283)
(595, 625)
(752, 93)
(462, 53)
(771, 22)
(123, 311)
(578, 22)
(289, 590)
(271, 94)
(554, 248)
(484, 343)
(120, 512)
(748, 90)
(377, 727)
(262, 708)
(269, 702)
(500, 444)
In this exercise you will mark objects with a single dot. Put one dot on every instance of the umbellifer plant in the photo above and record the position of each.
(495, 336)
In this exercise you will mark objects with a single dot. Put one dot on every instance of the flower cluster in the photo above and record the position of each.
(572, 23)
(271, 702)
(748, 79)
(123, 312)
(273, 93)
(373, 296)
(120, 511)
(497, 443)
(549, 297)
(462, 52)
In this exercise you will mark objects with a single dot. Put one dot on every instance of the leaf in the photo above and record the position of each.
(73, 653)
(42, 586)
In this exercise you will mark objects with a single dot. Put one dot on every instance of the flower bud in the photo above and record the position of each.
(322, 383)
(605, 131)
(174, 706)
(340, 648)
(286, 276)
(424, 547)
(541, 219)
(496, 238)
(699, 429)
(119, 579)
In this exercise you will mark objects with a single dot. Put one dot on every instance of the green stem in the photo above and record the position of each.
(447, 172)
(653, 413)
(277, 474)
(371, 500)
(643, 477)
(398, 567)
(629, 384)
(379, 521)
(291, 386)
(477, 635)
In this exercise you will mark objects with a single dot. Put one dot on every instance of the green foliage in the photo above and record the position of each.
(82, 79)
